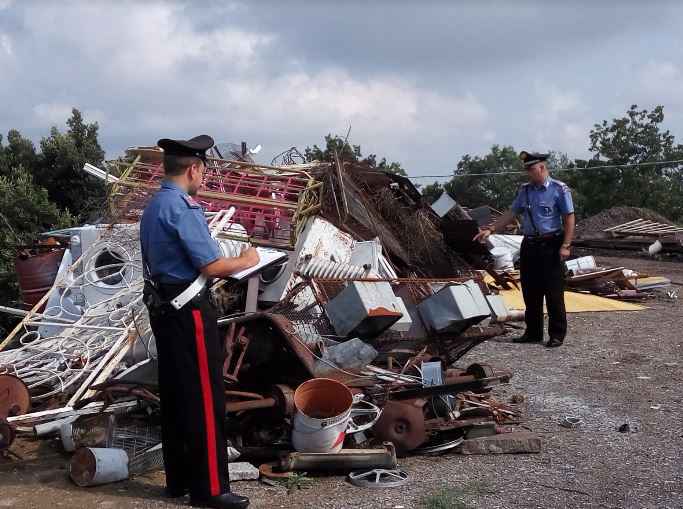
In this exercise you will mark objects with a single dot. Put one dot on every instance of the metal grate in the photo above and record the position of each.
(271, 202)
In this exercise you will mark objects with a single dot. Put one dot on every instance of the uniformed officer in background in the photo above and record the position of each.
(547, 212)
(176, 248)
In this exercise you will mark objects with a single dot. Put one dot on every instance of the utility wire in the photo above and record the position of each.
(593, 168)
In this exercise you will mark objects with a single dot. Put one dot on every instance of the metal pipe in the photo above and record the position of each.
(346, 459)
(250, 405)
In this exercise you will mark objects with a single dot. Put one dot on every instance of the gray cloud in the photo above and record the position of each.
(420, 82)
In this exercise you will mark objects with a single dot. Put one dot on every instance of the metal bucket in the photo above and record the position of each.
(323, 411)
(93, 466)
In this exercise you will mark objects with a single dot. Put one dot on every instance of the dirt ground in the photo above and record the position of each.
(615, 369)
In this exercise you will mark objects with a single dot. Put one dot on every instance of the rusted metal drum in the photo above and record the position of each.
(14, 396)
(36, 274)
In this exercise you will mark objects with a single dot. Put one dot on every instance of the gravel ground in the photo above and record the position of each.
(615, 369)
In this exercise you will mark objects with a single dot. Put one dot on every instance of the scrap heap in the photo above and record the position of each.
(349, 343)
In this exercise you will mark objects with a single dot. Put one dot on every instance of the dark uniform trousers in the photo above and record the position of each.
(192, 396)
(542, 275)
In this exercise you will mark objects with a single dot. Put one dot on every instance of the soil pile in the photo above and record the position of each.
(616, 215)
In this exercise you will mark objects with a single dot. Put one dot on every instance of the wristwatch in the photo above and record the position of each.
(566, 245)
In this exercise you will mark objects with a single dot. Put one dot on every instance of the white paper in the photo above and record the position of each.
(266, 257)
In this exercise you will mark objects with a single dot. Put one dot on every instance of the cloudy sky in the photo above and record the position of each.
(419, 82)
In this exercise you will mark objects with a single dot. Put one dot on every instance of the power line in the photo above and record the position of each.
(593, 168)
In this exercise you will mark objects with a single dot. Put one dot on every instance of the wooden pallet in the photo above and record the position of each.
(643, 227)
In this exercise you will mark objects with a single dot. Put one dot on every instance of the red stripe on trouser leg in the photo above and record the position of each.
(207, 397)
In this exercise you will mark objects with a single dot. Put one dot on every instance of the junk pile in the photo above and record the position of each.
(341, 348)
(501, 252)
(630, 230)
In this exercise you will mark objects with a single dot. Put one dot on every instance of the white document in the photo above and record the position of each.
(267, 257)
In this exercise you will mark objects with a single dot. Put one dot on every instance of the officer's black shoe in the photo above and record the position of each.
(525, 339)
(224, 501)
(554, 342)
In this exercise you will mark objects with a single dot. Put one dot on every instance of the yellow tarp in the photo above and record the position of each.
(574, 302)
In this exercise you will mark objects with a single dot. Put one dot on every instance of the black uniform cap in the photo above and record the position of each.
(530, 158)
(196, 146)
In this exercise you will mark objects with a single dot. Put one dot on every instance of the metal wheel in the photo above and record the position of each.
(364, 415)
(378, 478)
(442, 447)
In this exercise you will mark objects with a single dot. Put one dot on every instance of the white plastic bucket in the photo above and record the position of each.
(92, 466)
(654, 248)
(323, 412)
(502, 258)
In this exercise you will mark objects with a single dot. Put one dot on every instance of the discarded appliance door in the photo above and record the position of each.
(454, 308)
(363, 309)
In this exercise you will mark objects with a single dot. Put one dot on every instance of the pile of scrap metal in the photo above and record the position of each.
(583, 274)
(350, 340)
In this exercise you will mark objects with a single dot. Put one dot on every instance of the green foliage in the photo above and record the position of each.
(25, 211)
(431, 192)
(296, 481)
(456, 498)
(61, 161)
(40, 191)
(497, 191)
(635, 138)
(347, 152)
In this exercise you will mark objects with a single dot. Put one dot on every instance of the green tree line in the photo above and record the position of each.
(44, 189)
(636, 138)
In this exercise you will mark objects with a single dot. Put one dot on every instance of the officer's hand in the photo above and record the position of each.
(250, 255)
(482, 235)
(564, 253)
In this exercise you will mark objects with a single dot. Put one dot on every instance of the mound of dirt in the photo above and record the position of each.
(616, 215)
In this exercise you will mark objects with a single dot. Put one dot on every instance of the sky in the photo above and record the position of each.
(419, 82)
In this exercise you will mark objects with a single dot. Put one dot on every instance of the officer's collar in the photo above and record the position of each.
(167, 184)
(545, 184)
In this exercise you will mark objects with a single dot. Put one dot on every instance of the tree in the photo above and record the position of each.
(25, 211)
(347, 152)
(60, 167)
(471, 189)
(431, 192)
(19, 151)
(633, 139)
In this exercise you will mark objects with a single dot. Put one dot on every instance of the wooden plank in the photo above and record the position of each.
(635, 221)
(102, 365)
(28, 317)
(219, 196)
(648, 227)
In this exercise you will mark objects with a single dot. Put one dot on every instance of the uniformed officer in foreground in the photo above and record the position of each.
(547, 212)
(176, 248)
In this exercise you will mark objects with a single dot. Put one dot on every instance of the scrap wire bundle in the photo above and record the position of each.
(56, 363)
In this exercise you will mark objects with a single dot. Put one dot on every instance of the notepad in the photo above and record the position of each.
(267, 257)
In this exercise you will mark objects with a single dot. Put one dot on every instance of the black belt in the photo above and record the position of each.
(545, 236)
(159, 295)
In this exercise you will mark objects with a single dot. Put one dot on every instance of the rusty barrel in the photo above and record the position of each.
(36, 274)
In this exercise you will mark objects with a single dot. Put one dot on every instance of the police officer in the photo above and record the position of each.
(547, 212)
(176, 248)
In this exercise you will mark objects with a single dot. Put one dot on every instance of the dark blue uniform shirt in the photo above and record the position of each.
(175, 237)
(548, 203)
